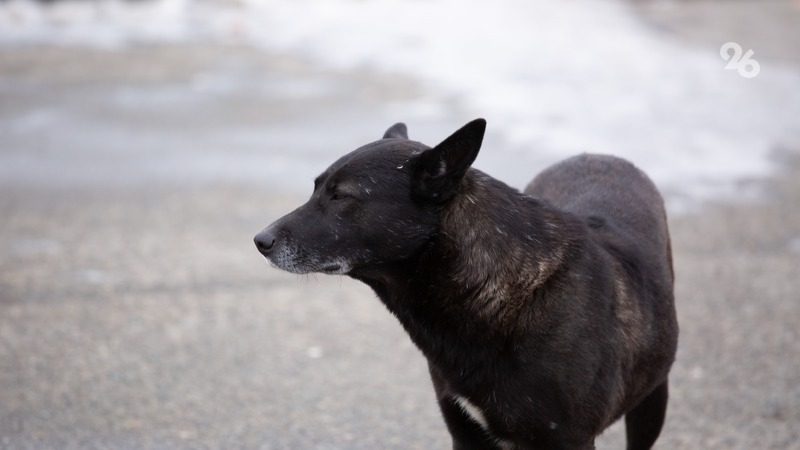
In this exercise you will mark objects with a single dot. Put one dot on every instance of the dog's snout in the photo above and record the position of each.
(265, 242)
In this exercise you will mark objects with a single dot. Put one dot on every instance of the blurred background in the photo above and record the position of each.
(144, 143)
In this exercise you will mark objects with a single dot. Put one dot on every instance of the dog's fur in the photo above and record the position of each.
(545, 315)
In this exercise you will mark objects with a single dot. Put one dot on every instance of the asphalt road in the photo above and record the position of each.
(146, 319)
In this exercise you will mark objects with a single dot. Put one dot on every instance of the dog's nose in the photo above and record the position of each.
(265, 242)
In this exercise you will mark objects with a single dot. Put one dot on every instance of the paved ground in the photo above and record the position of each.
(135, 312)
(146, 319)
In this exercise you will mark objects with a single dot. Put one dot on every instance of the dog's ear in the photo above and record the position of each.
(398, 131)
(437, 172)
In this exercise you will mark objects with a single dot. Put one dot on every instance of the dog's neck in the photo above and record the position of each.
(495, 249)
(504, 244)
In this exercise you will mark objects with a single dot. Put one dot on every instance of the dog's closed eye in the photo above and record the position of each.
(342, 191)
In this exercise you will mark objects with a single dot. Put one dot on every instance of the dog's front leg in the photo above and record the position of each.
(467, 434)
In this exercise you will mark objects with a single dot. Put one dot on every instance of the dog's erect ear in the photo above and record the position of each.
(398, 131)
(437, 172)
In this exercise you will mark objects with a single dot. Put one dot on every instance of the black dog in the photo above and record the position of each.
(545, 316)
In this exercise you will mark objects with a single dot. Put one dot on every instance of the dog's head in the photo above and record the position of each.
(377, 205)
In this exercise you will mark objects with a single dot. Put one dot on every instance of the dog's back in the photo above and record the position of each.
(609, 192)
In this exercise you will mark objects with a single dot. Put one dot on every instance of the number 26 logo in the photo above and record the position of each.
(745, 65)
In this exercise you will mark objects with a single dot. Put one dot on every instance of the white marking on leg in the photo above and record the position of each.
(472, 411)
(477, 416)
